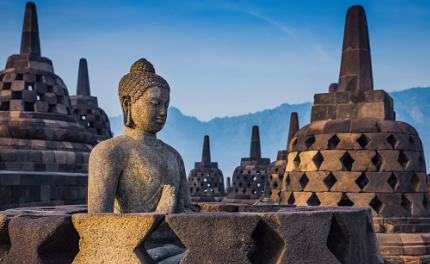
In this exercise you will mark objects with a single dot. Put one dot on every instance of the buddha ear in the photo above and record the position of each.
(126, 110)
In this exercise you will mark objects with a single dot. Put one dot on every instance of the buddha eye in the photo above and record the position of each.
(155, 102)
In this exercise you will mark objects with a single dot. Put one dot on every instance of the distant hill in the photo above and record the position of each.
(230, 137)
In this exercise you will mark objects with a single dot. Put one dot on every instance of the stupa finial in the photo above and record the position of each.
(356, 67)
(83, 79)
(206, 155)
(30, 44)
(294, 127)
(255, 143)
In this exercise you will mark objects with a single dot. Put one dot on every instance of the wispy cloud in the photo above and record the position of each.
(283, 28)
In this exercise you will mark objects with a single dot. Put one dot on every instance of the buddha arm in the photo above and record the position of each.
(105, 167)
(184, 192)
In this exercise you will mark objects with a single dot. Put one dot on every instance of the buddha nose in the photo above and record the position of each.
(163, 111)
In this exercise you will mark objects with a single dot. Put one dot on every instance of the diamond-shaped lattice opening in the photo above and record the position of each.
(297, 161)
(362, 181)
(240, 184)
(291, 199)
(288, 180)
(313, 200)
(337, 242)
(276, 169)
(304, 180)
(310, 141)
(266, 245)
(275, 185)
(421, 161)
(318, 160)
(345, 202)
(363, 140)
(393, 141)
(377, 161)
(426, 202)
(249, 184)
(406, 204)
(376, 204)
(253, 191)
(329, 181)
(392, 181)
(411, 140)
(148, 251)
(332, 142)
(347, 161)
(403, 159)
(415, 180)
(254, 178)
(244, 191)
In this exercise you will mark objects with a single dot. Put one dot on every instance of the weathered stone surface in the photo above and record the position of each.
(346, 181)
(316, 181)
(390, 160)
(329, 198)
(42, 240)
(332, 160)
(216, 232)
(306, 161)
(114, 238)
(302, 198)
(378, 182)
(4, 236)
(307, 230)
(362, 160)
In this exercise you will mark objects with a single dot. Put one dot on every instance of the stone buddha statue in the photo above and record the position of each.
(136, 172)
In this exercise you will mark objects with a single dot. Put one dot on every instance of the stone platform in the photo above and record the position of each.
(220, 233)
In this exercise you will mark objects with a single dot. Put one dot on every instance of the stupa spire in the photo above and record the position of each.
(356, 67)
(294, 127)
(255, 143)
(206, 155)
(30, 44)
(83, 79)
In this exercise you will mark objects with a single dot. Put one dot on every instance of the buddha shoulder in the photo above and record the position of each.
(172, 151)
(111, 149)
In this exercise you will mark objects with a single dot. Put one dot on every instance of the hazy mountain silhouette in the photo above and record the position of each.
(230, 137)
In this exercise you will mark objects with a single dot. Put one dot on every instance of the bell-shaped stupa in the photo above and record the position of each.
(42, 147)
(276, 169)
(249, 178)
(86, 109)
(354, 153)
(206, 181)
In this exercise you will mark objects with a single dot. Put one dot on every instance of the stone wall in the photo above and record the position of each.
(24, 189)
(218, 234)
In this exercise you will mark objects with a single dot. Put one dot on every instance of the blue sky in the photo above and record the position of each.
(223, 58)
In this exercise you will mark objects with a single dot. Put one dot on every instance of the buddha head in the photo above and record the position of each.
(144, 98)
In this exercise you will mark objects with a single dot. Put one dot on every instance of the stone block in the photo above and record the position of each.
(404, 182)
(324, 98)
(41, 88)
(6, 196)
(362, 200)
(294, 181)
(346, 181)
(321, 140)
(29, 78)
(416, 204)
(50, 98)
(60, 109)
(307, 161)
(6, 95)
(319, 112)
(216, 232)
(29, 96)
(347, 111)
(316, 181)
(391, 205)
(419, 182)
(379, 141)
(301, 198)
(415, 161)
(60, 157)
(18, 86)
(10, 180)
(45, 193)
(304, 143)
(102, 240)
(413, 244)
(41, 240)
(332, 112)
(372, 110)
(58, 90)
(380, 182)
(390, 244)
(9, 77)
(342, 97)
(390, 160)
(281, 238)
(41, 106)
(337, 126)
(356, 97)
(48, 156)
(329, 198)
(364, 125)
(348, 141)
(331, 160)
(362, 160)
(16, 105)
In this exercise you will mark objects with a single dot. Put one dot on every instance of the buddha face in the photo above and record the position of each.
(149, 113)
